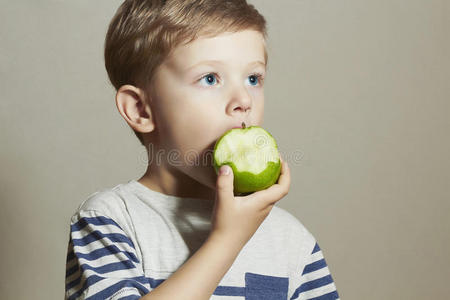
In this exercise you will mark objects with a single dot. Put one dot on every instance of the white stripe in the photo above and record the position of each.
(114, 276)
(99, 244)
(73, 276)
(109, 258)
(125, 292)
(316, 256)
(71, 263)
(99, 286)
(106, 260)
(104, 284)
(315, 275)
(113, 258)
(107, 228)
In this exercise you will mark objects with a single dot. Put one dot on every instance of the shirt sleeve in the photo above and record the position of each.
(315, 282)
(102, 261)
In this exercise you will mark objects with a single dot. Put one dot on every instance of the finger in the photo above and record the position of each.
(285, 176)
(284, 169)
(224, 183)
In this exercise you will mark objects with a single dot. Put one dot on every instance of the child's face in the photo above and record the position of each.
(200, 91)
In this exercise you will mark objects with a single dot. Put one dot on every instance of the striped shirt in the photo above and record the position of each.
(126, 240)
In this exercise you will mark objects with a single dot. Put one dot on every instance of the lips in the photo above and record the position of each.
(242, 125)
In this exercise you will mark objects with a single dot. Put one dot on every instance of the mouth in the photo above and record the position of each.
(242, 125)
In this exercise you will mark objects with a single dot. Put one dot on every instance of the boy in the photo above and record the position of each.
(186, 71)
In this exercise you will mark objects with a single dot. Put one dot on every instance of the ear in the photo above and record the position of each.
(134, 108)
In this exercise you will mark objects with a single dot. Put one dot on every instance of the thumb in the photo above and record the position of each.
(225, 182)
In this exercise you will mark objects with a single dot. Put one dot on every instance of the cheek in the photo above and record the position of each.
(195, 128)
(258, 107)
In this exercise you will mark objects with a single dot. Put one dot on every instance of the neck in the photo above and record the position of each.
(164, 178)
(173, 182)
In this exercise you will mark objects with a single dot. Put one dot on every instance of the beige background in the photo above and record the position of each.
(357, 97)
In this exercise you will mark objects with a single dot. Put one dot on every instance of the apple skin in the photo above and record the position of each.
(246, 182)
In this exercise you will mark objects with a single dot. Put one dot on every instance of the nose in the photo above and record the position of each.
(240, 101)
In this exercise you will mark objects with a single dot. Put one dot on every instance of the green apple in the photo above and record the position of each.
(253, 155)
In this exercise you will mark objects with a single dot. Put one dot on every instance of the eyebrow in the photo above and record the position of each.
(218, 62)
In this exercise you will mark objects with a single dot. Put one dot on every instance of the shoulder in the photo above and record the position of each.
(289, 223)
(103, 201)
(106, 202)
(284, 218)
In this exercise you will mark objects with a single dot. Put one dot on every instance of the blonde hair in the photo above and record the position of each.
(142, 33)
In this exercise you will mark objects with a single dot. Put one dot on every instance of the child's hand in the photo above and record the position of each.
(237, 218)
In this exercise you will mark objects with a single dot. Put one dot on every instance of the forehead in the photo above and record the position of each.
(233, 48)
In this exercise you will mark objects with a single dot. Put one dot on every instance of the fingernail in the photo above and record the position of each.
(224, 170)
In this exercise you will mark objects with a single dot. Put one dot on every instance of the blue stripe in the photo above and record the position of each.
(330, 296)
(73, 283)
(97, 235)
(154, 282)
(83, 222)
(219, 291)
(76, 282)
(108, 250)
(94, 279)
(317, 265)
(316, 249)
(116, 266)
(310, 285)
(121, 265)
(72, 270)
(96, 254)
(109, 291)
(229, 291)
(314, 284)
(89, 281)
(70, 256)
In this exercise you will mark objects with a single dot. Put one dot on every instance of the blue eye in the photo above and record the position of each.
(210, 79)
(254, 79)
